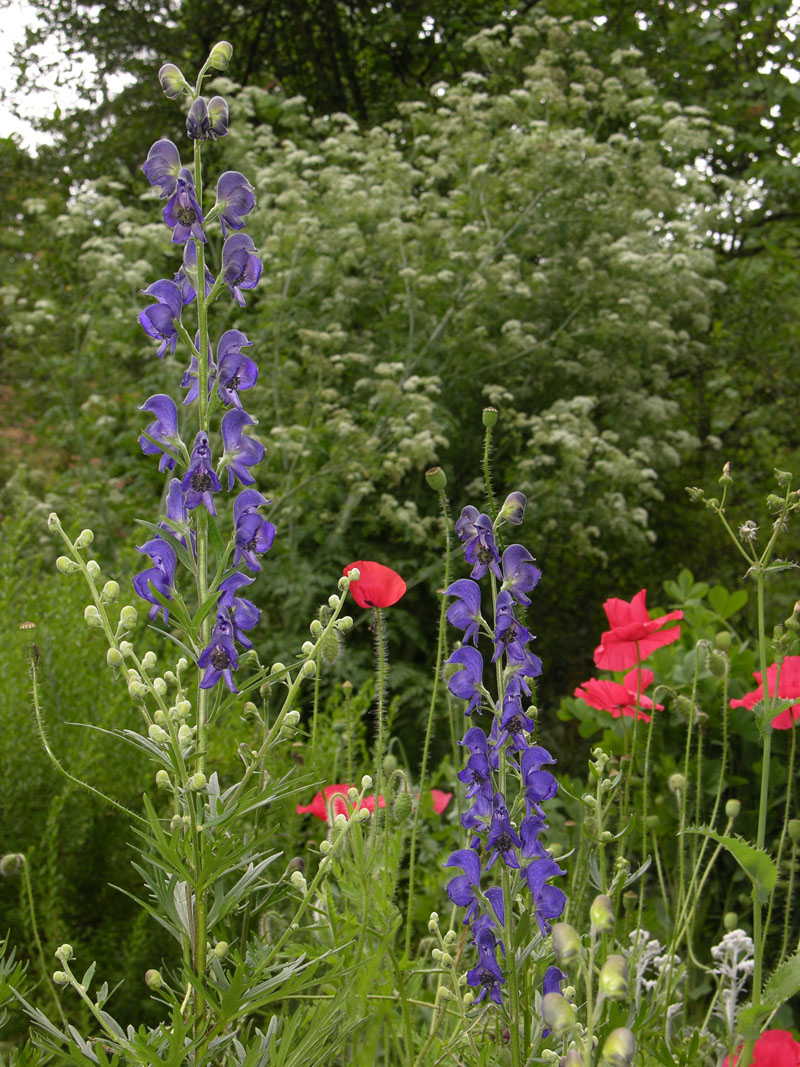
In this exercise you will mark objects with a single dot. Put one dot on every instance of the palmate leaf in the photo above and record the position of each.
(756, 863)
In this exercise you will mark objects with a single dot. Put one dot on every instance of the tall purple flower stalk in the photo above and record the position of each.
(504, 774)
(207, 439)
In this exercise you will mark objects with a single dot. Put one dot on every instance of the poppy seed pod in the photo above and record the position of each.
(436, 478)
(601, 914)
(613, 980)
(619, 1047)
(558, 1014)
(490, 416)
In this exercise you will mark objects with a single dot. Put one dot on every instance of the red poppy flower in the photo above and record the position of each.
(775, 1048)
(619, 698)
(378, 586)
(633, 635)
(342, 806)
(788, 689)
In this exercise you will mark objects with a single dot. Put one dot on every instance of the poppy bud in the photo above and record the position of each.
(436, 478)
(723, 641)
(793, 829)
(730, 920)
(619, 1048)
(718, 664)
(490, 416)
(676, 782)
(601, 914)
(220, 55)
(613, 980)
(11, 863)
(172, 81)
(402, 807)
(566, 943)
(558, 1014)
(733, 807)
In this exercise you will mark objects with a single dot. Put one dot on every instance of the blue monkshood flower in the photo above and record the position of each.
(186, 275)
(539, 785)
(253, 534)
(162, 167)
(182, 211)
(548, 900)
(191, 376)
(235, 198)
(513, 721)
(164, 429)
(243, 613)
(477, 776)
(172, 81)
(200, 481)
(486, 973)
(475, 530)
(161, 575)
(510, 636)
(513, 509)
(235, 371)
(219, 659)
(462, 889)
(178, 516)
(530, 828)
(520, 574)
(466, 682)
(518, 671)
(465, 613)
(503, 839)
(241, 267)
(158, 320)
(240, 452)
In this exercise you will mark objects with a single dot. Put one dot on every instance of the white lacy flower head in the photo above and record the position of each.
(734, 955)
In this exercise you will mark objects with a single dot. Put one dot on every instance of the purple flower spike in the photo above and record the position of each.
(520, 575)
(161, 575)
(241, 452)
(234, 198)
(253, 534)
(486, 973)
(158, 320)
(465, 613)
(235, 370)
(219, 659)
(466, 683)
(182, 211)
(462, 888)
(502, 838)
(200, 481)
(241, 267)
(164, 429)
(162, 167)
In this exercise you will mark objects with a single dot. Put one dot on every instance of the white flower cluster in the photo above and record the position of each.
(734, 957)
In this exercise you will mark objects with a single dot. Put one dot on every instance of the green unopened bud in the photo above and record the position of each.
(774, 502)
(389, 764)
(467, 999)
(60, 977)
(684, 708)
(153, 979)
(436, 478)
(718, 664)
(149, 660)
(160, 717)
(730, 920)
(315, 628)
(794, 830)
(558, 1014)
(291, 719)
(723, 640)
(353, 574)
(489, 417)
(249, 711)
(566, 943)
(11, 863)
(183, 708)
(114, 657)
(128, 617)
(619, 1048)
(185, 735)
(345, 623)
(601, 914)
(93, 567)
(402, 807)
(513, 509)
(172, 81)
(64, 952)
(573, 1058)
(155, 732)
(163, 779)
(613, 980)
(137, 690)
(220, 55)
(221, 949)
(197, 781)
(66, 565)
(784, 478)
(160, 686)
(92, 617)
(298, 880)
(366, 781)
(84, 539)
(695, 494)
(676, 782)
(725, 477)
(363, 815)
(308, 669)
(110, 592)
(733, 807)
(330, 648)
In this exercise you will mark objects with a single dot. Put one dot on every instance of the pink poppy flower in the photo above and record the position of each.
(633, 635)
(775, 1048)
(619, 698)
(378, 586)
(788, 689)
(343, 806)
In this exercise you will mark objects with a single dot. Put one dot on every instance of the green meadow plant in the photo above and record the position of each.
(565, 919)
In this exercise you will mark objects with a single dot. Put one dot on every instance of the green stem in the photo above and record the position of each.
(46, 977)
(440, 644)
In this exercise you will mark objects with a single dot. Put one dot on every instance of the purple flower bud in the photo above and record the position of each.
(162, 166)
(234, 198)
(164, 429)
(241, 267)
(186, 275)
(253, 534)
(241, 452)
(218, 117)
(161, 575)
(158, 320)
(172, 81)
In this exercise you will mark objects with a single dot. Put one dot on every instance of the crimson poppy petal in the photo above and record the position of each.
(377, 587)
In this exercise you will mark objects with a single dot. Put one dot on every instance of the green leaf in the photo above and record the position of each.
(756, 863)
(783, 983)
(726, 604)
